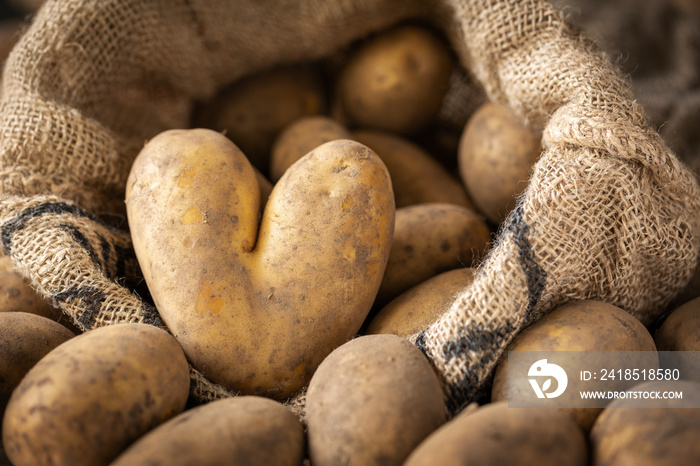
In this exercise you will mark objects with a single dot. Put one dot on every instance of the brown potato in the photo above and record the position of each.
(244, 430)
(246, 305)
(681, 332)
(576, 326)
(496, 153)
(691, 290)
(89, 398)
(498, 435)
(430, 239)
(371, 402)
(652, 433)
(16, 295)
(254, 110)
(681, 329)
(415, 309)
(301, 137)
(24, 339)
(416, 176)
(396, 81)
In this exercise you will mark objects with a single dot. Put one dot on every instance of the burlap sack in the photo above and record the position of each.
(657, 42)
(609, 213)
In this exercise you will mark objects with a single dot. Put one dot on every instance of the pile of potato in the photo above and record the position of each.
(313, 283)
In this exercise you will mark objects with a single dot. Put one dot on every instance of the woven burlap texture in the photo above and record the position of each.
(609, 213)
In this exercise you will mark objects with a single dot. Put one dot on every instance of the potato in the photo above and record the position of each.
(681, 332)
(416, 176)
(430, 239)
(576, 326)
(89, 398)
(24, 339)
(396, 81)
(417, 308)
(245, 430)
(371, 402)
(691, 290)
(301, 137)
(246, 305)
(496, 153)
(663, 432)
(16, 295)
(255, 109)
(498, 435)
(681, 329)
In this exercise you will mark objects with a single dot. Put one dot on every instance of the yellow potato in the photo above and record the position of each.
(415, 309)
(496, 154)
(652, 432)
(576, 326)
(371, 402)
(257, 311)
(240, 431)
(498, 435)
(88, 399)
(301, 137)
(254, 110)
(396, 81)
(24, 339)
(430, 239)
(416, 176)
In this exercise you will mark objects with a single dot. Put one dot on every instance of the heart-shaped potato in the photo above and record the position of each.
(258, 310)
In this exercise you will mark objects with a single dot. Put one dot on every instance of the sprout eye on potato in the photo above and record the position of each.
(245, 303)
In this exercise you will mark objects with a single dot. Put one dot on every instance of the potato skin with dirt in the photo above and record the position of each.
(89, 398)
(370, 402)
(429, 239)
(495, 434)
(237, 431)
(396, 81)
(246, 304)
(496, 154)
(662, 432)
(301, 137)
(418, 307)
(576, 326)
(415, 175)
(24, 339)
